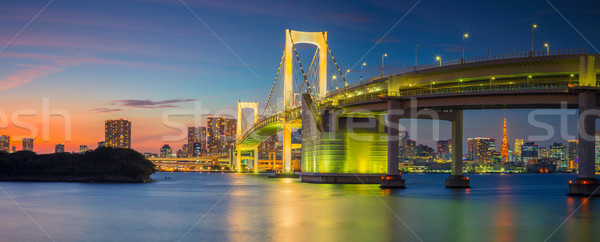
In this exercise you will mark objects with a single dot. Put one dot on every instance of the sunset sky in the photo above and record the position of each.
(138, 59)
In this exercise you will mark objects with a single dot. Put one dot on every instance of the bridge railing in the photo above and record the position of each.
(503, 56)
(486, 88)
(291, 113)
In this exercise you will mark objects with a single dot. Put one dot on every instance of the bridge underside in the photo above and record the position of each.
(254, 139)
(501, 100)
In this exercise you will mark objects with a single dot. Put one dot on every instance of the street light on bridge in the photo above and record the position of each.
(382, 57)
(361, 69)
(547, 49)
(533, 26)
(439, 58)
(465, 36)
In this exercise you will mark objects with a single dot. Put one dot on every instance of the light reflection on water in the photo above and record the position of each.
(496, 208)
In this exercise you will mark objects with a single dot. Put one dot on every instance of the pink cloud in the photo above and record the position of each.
(22, 77)
(57, 63)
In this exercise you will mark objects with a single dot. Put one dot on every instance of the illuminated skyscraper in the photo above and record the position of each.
(518, 144)
(196, 135)
(197, 149)
(529, 152)
(597, 137)
(559, 152)
(117, 133)
(28, 144)
(504, 142)
(185, 151)
(5, 143)
(59, 148)
(165, 151)
(542, 152)
(479, 149)
(220, 134)
(572, 153)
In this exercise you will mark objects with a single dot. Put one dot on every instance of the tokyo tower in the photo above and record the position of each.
(504, 142)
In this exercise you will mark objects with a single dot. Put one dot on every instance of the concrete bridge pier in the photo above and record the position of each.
(457, 179)
(238, 159)
(287, 147)
(586, 183)
(255, 167)
(393, 179)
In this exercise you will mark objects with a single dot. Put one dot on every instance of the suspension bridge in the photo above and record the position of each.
(350, 131)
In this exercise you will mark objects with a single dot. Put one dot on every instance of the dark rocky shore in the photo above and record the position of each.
(103, 165)
(90, 179)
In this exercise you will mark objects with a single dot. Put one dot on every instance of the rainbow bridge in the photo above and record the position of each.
(350, 132)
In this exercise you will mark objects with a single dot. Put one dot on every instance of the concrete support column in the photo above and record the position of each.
(456, 179)
(238, 159)
(255, 159)
(586, 183)
(587, 129)
(457, 143)
(381, 124)
(287, 147)
(393, 178)
(393, 137)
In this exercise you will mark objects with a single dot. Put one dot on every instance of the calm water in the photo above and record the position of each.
(255, 208)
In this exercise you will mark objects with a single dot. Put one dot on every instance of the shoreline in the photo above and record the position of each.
(81, 179)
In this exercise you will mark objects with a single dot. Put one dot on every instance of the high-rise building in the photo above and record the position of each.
(518, 144)
(28, 144)
(504, 142)
(492, 144)
(542, 152)
(59, 148)
(101, 144)
(572, 153)
(559, 152)
(424, 151)
(529, 152)
(268, 146)
(196, 135)
(117, 133)
(479, 149)
(443, 146)
(410, 149)
(229, 133)
(597, 138)
(220, 134)
(186, 151)
(197, 149)
(165, 151)
(83, 148)
(5, 143)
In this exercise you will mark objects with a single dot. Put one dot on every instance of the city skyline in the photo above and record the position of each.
(75, 54)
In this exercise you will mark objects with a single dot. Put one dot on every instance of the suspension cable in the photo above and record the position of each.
(273, 88)
(335, 62)
(309, 67)
(299, 63)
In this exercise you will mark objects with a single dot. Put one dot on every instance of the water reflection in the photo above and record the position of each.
(496, 208)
